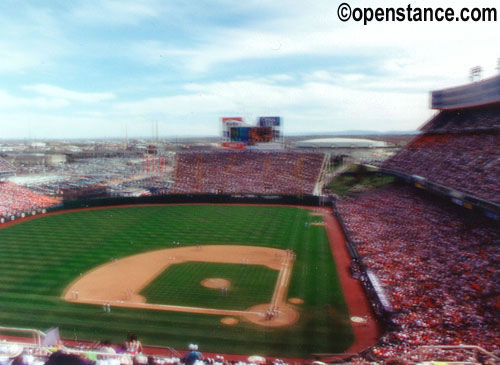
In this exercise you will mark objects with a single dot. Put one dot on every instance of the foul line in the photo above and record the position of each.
(279, 297)
(167, 307)
(281, 288)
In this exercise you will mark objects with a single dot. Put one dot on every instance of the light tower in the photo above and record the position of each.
(475, 73)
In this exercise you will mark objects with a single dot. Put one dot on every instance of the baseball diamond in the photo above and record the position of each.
(119, 282)
(74, 262)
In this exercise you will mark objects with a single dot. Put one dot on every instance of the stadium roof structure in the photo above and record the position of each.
(340, 143)
(474, 94)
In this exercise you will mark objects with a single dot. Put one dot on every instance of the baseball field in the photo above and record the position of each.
(234, 279)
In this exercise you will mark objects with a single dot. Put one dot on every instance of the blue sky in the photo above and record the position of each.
(85, 69)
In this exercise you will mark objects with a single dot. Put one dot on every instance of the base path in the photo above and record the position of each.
(119, 282)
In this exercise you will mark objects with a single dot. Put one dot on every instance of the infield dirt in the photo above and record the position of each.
(119, 282)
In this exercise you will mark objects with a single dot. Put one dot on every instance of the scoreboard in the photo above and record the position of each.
(251, 134)
(235, 129)
(269, 121)
(261, 134)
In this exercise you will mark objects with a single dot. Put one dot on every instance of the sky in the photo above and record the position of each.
(111, 68)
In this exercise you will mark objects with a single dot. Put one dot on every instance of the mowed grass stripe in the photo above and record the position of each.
(52, 251)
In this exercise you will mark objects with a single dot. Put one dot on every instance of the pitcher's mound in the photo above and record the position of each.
(229, 321)
(216, 283)
(296, 301)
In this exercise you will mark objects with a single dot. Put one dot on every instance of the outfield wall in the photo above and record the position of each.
(309, 200)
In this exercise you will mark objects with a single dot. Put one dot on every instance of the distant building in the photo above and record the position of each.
(346, 150)
(50, 160)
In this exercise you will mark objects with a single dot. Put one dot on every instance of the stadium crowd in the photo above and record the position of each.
(85, 174)
(463, 120)
(15, 199)
(438, 264)
(247, 172)
(465, 162)
(459, 149)
(106, 354)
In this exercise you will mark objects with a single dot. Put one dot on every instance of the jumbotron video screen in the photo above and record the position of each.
(251, 134)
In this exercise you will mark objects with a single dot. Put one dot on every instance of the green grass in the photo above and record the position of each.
(39, 258)
(180, 285)
(344, 184)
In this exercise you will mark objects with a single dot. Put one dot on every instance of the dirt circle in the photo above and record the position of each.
(215, 283)
(296, 301)
(317, 224)
(286, 315)
(230, 321)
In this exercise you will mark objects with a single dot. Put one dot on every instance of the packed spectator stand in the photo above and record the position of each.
(253, 172)
(17, 201)
(463, 120)
(437, 264)
(92, 177)
(436, 261)
(459, 149)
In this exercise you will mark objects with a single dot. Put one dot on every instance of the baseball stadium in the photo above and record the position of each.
(247, 250)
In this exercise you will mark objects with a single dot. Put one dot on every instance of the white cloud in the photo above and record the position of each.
(223, 45)
(8, 101)
(310, 106)
(64, 94)
(323, 75)
(116, 11)
(308, 30)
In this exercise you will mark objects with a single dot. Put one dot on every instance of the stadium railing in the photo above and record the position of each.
(435, 352)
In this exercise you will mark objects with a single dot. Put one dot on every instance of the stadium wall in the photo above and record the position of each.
(309, 200)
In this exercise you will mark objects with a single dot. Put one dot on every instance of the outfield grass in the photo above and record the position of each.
(42, 256)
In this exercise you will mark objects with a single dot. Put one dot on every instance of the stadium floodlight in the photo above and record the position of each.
(475, 73)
